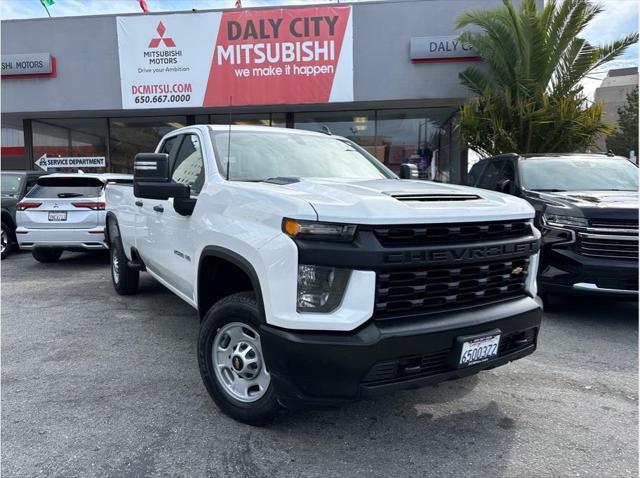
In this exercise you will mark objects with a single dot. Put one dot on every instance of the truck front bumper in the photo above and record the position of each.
(326, 369)
(565, 271)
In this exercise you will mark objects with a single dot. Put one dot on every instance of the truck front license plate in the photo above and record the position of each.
(58, 216)
(478, 350)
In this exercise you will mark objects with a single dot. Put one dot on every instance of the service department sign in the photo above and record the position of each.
(27, 64)
(441, 48)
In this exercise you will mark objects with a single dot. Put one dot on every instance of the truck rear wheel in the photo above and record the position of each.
(125, 279)
(46, 254)
(231, 361)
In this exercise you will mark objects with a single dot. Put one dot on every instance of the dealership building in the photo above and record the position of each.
(106, 87)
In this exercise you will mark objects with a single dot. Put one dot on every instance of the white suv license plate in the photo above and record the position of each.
(58, 216)
(479, 350)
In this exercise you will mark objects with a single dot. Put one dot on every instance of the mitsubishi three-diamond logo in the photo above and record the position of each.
(168, 41)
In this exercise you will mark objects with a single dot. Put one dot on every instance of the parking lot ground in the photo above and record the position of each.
(94, 384)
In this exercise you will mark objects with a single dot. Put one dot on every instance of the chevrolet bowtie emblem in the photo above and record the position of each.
(517, 270)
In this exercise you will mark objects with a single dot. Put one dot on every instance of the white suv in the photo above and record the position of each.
(64, 212)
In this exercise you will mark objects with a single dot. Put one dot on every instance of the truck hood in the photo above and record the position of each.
(599, 199)
(394, 201)
(604, 205)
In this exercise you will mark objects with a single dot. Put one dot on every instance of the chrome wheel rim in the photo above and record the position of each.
(238, 362)
(4, 240)
(115, 267)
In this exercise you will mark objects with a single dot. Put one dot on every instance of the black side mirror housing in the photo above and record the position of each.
(163, 191)
(408, 171)
(151, 178)
(184, 206)
(151, 167)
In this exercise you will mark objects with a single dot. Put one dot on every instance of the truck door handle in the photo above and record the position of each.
(158, 208)
(138, 203)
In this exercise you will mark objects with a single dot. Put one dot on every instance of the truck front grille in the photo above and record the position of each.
(610, 239)
(430, 234)
(441, 288)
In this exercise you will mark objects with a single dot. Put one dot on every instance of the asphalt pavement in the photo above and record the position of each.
(94, 384)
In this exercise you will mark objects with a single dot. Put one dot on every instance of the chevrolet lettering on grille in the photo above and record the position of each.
(460, 254)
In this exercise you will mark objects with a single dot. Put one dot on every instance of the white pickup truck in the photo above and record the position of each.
(319, 275)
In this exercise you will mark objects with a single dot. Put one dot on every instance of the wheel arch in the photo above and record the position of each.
(215, 256)
(111, 229)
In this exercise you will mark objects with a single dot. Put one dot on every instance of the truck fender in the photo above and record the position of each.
(112, 230)
(238, 261)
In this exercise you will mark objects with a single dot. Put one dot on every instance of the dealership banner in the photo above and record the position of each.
(243, 57)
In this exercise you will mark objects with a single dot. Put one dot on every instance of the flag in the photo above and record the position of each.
(47, 3)
(143, 5)
(238, 3)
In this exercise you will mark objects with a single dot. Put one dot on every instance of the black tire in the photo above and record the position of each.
(125, 279)
(8, 240)
(46, 255)
(243, 308)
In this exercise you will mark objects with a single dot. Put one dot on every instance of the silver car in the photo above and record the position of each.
(64, 212)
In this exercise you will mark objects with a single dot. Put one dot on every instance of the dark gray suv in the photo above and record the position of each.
(15, 185)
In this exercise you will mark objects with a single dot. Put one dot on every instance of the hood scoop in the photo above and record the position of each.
(433, 197)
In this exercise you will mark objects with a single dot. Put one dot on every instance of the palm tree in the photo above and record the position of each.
(529, 96)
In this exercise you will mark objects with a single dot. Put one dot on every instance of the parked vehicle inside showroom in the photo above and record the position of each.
(64, 212)
(15, 184)
(587, 210)
(319, 275)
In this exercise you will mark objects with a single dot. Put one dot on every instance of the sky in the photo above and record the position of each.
(620, 17)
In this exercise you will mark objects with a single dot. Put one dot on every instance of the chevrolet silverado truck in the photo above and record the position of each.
(318, 274)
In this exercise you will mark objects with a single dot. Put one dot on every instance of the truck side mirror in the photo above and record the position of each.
(151, 178)
(151, 167)
(408, 171)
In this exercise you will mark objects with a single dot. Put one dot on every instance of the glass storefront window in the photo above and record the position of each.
(130, 136)
(14, 154)
(279, 120)
(358, 126)
(416, 136)
(250, 119)
(70, 137)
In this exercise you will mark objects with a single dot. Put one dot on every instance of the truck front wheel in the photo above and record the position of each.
(231, 361)
(125, 279)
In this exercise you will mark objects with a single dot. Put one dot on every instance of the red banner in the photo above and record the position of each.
(281, 56)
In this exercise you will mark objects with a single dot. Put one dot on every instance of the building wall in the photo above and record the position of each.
(613, 94)
(88, 76)
(88, 73)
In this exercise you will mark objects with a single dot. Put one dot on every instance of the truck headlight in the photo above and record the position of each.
(320, 289)
(323, 231)
(557, 220)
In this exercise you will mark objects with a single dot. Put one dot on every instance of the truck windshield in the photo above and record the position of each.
(579, 174)
(257, 156)
(11, 184)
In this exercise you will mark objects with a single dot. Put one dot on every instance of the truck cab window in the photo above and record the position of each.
(475, 173)
(188, 166)
(169, 144)
(491, 176)
(508, 171)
